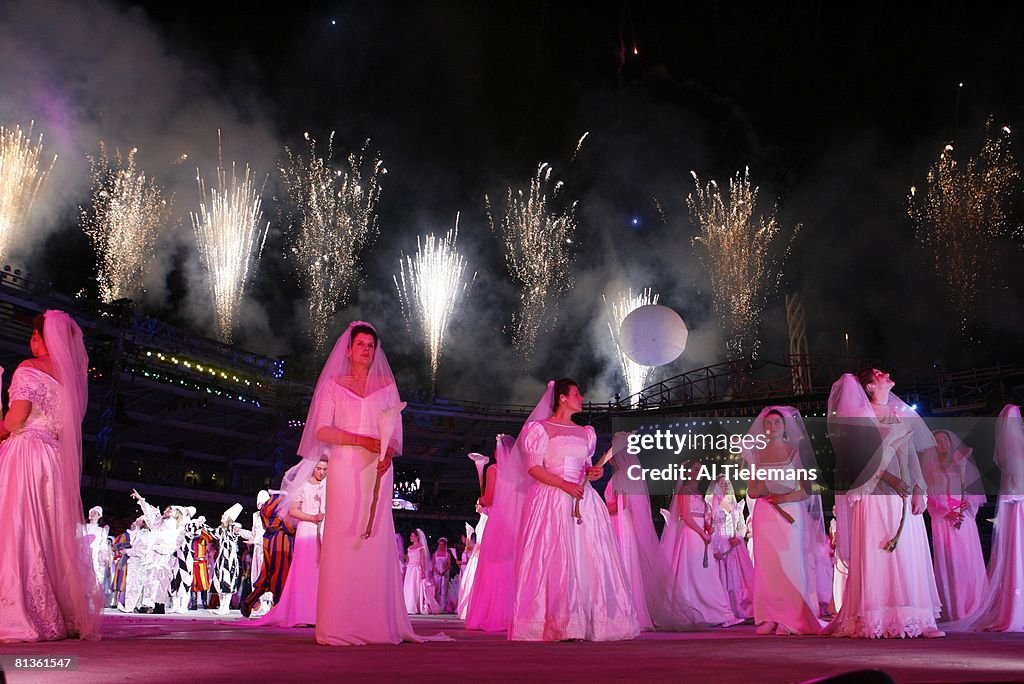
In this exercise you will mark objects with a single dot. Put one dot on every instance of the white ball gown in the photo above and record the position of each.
(48, 587)
(888, 594)
(684, 549)
(646, 568)
(570, 580)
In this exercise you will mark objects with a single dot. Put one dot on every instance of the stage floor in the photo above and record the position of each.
(200, 648)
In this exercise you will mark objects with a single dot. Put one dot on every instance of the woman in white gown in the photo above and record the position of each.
(1002, 606)
(471, 542)
(419, 588)
(785, 592)
(440, 567)
(877, 440)
(685, 543)
(487, 602)
(629, 506)
(955, 494)
(359, 595)
(48, 588)
(729, 549)
(570, 582)
(296, 606)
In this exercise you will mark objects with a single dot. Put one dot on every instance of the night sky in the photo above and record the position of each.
(836, 109)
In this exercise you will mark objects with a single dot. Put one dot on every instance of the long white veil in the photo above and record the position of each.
(490, 606)
(669, 613)
(1009, 452)
(77, 592)
(1004, 560)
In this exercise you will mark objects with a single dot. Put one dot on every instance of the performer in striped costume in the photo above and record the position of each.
(122, 542)
(278, 540)
(201, 551)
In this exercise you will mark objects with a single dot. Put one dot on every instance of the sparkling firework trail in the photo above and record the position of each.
(230, 237)
(636, 375)
(579, 144)
(21, 176)
(128, 212)
(336, 217)
(962, 214)
(743, 253)
(538, 241)
(431, 286)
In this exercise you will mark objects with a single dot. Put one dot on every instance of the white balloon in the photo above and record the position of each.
(653, 335)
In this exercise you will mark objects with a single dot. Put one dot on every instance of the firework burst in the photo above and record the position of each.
(538, 243)
(230, 233)
(336, 216)
(431, 286)
(636, 375)
(22, 173)
(128, 212)
(743, 253)
(962, 214)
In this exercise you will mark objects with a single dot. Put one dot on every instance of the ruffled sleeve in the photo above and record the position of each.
(535, 444)
(591, 442)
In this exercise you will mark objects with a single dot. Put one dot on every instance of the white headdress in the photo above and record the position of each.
(233, 512)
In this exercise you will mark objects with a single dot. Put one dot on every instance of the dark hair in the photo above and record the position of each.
(37, 324)
(364, 330)
(864, 376)
(560, 390)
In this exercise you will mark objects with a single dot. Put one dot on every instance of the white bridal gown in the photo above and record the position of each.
(570, 579)
(41, 558)
(359, 596)
(887, 594)
(785, 589)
